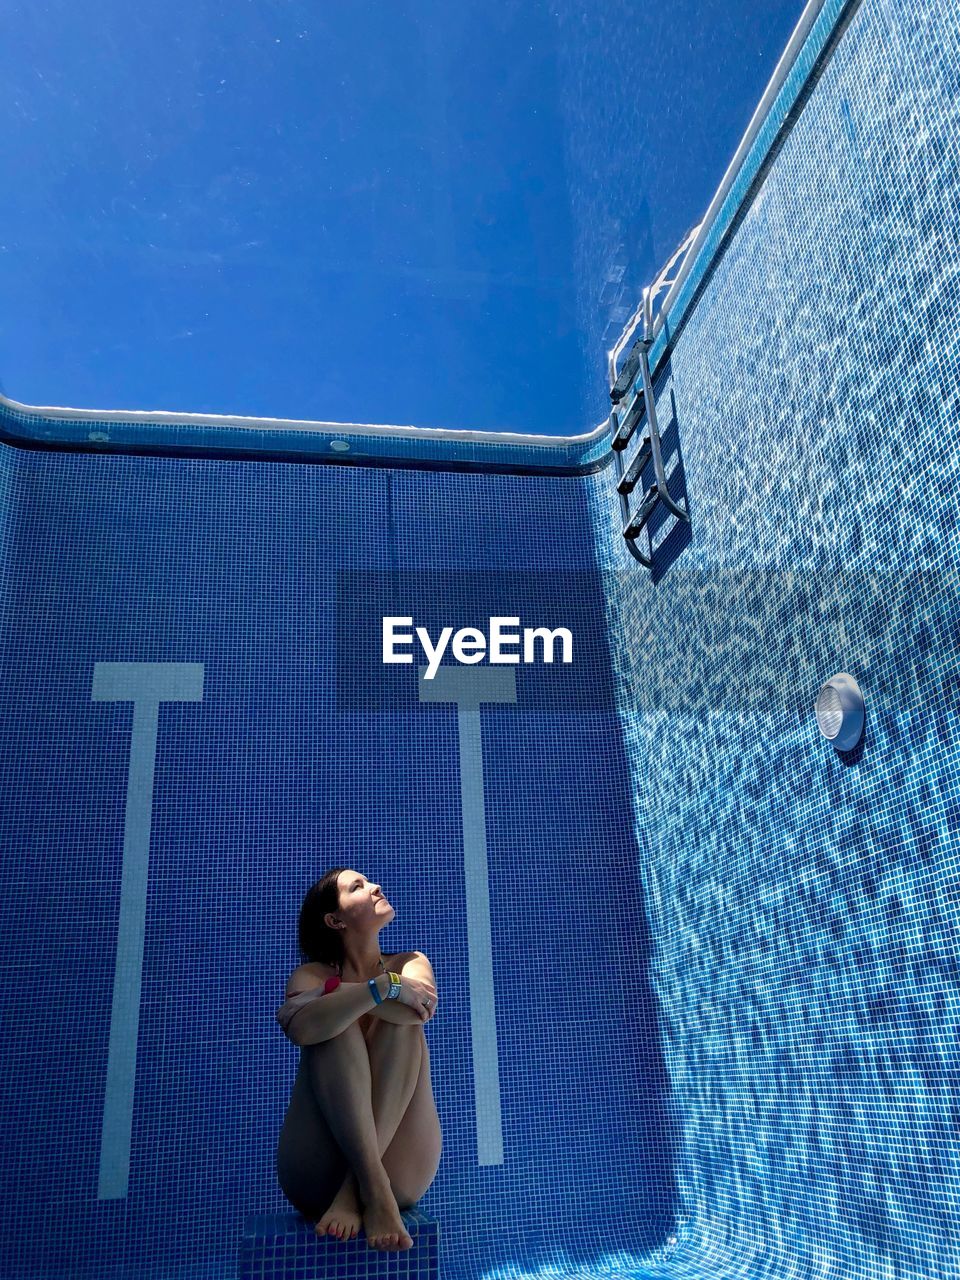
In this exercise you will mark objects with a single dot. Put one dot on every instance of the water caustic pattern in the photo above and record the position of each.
(805, 904)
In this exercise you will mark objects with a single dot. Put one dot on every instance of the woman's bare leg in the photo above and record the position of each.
(342, 1079)
(394, 1073)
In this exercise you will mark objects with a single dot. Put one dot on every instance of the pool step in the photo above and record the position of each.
(281, 1246)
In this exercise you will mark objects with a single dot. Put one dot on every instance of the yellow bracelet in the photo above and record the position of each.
(394, 991)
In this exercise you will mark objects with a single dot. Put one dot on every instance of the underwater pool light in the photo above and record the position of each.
(839, 711)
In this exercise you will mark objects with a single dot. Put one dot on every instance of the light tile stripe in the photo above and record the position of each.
(468, 689)
(146, 685)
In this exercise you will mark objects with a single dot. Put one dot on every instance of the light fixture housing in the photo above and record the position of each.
(840, 712)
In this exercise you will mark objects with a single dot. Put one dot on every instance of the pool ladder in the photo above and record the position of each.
(629, 411)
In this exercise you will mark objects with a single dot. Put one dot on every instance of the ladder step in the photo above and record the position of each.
(635, 469)
(627, 374)
(643, 512)
(626, 429)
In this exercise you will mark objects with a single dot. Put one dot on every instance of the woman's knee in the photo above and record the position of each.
(397, 1037)
(409, 1030)
(349, 1036)
(335, 1058)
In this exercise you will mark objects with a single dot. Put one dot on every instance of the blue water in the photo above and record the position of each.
(723, 955)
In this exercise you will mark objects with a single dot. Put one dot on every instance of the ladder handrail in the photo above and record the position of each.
(655, 437)
(643, 312)
(659, 489)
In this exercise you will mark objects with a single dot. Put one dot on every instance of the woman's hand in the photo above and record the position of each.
(415, 993)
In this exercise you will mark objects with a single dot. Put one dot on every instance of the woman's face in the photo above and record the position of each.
(362, 902)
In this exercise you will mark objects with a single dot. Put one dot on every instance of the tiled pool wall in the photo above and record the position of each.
(7, 459)
(804, 904)
(299, 757)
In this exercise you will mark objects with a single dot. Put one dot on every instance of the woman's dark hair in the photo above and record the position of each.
(318, 942)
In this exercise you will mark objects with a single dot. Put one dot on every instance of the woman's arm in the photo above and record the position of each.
(319, 1017)
(331, 1014)
(419, 967)
(393, 1010)
(292, 1006)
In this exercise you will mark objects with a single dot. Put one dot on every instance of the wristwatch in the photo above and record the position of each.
(392, 994)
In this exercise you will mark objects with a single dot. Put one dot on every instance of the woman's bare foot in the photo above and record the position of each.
(343, 1217)
(384, 1226)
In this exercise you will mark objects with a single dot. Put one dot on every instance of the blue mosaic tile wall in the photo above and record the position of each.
(7, 461)
(804, 903)
(259, 786)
